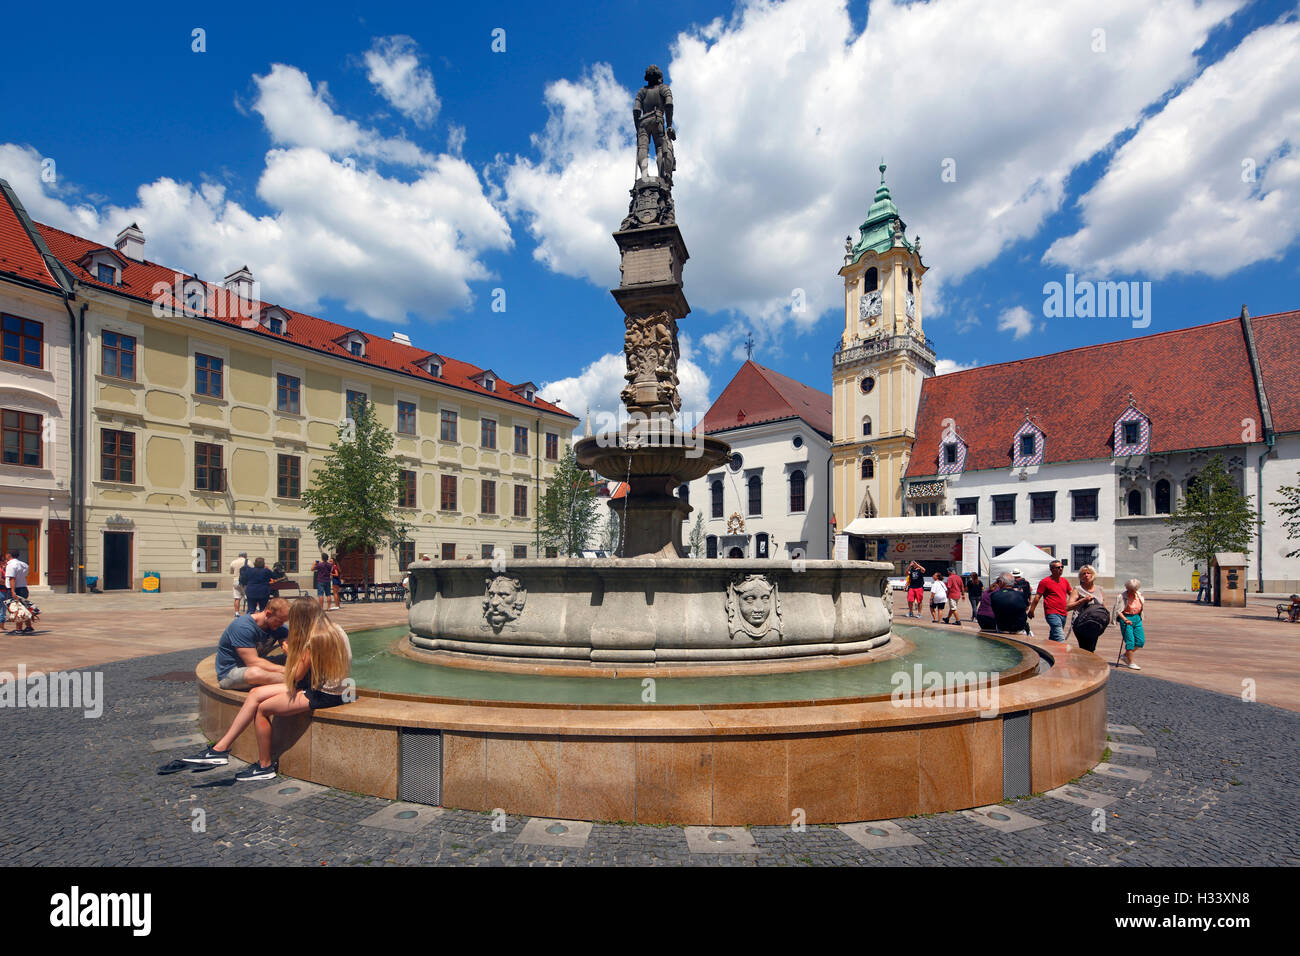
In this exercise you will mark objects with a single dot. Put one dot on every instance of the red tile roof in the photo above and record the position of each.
(19, 256)
(757, 394)
(139, 279)
(1277, 343)
(1194, 384)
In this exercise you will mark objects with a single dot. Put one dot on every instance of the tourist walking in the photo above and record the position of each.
(1086, 593)
(257, 585)
(956, 591)
(974, 591)
(336, 582)
(14, 580)
(322, 574)
(237, 586)
(915, 588)
(938, 596)
(1128, 611)
(1205, 593)
(1054, 591)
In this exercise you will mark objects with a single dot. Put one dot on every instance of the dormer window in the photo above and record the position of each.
(275, 325)
(431, 364)
(489, 383)
(106, 273)
(950, 453)
(1132, 432)
(104, 264)
(354, 343)
(526, 390)
(356, 347)
(194, 295)
(1028, 445)
(274, 320)
(487, 379)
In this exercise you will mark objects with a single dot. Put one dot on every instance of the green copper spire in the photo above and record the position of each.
(877, 230)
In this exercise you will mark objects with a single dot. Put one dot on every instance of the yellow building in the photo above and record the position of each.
(879, 365)
(208, 411)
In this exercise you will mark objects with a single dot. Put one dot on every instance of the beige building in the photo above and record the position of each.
(208, 412)
(879, 365)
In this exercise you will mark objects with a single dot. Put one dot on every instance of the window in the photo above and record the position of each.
(1132, 542)
(866, 426)
(1162, 496)
(710, 546)
(1082, 554)
(448, 432)
(489, 383)
(870, 280)
(552, 552)
(552, 446)
(448, 502)
(968, 506)
(208, 473)
(867, 384)
(925, 509)
(715, 489)
(210, 558)
(357, 347)
(521, 551)
(287, 482)
(275, 325)
(1028, 446)
(288, 554)
(909, 280)
(684, 493)
(1135, 502)
(355, 402)
(761, 545)
(405, 554)
(1000, 551)
(22, 439)
(521, 501)
(736, 461)
(449, 552)
(488, 499)
(407, 497)
(1132, 433)
(106, 273)
(868, 468)
(117, 456)
(24, 341)
(797, 441)
(755, 495)
(796, 490)
(950, 453)
(1084, 505)
(1004, 509)
(207, 375)
(488, 433)
(119, 355)
(406, 418)
(1042, 506)
(485, 552)
(287, 392)
(521, 439)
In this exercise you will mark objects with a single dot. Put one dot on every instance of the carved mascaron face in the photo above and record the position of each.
(756, 605)
(753, 607)
(504, 601)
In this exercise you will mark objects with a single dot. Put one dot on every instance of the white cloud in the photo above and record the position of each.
(1179, 197)
(393, 67)
(781, 134)
(1017, 320)
(944, 366)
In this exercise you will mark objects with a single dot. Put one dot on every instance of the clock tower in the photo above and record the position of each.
(879, 365)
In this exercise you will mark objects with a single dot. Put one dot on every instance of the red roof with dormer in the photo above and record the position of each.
(757, 394)
(141, 279)
(1195, 385)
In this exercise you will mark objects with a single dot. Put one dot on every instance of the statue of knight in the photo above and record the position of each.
(652, 115)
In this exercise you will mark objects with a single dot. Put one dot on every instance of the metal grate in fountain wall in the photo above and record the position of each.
(420, 767)
(1015, 754)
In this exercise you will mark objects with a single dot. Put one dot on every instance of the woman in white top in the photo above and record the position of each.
(1087, 591)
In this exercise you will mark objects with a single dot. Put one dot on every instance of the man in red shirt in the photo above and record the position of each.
(956, 591)
(1054, 591)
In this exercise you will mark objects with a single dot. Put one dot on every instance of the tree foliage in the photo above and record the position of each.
(353, 498)
(1289, 509)
(613, 537)
(697, 536)
(1214, 516)
(568, 511)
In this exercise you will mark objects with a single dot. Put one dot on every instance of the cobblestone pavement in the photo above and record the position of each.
(76, 791)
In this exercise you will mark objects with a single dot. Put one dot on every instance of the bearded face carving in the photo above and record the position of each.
(503, 602)
(753, 607)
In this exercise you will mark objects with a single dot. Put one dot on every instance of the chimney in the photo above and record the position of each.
(240, 282)
(130, 242)
(401, 338)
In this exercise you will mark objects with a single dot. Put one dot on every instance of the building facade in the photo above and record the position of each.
(772, 499)
(1091, 474)
(209, 411)
(879, 365)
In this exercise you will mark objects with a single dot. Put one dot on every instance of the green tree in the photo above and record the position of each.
(1215, 516)
(353, 498)
(697, 536)
(1289, 509)
(612, 540)
(569, 507)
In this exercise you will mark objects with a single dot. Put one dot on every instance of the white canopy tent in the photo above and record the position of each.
(1031, 561)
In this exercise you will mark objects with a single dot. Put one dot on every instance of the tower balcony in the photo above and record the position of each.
(869, 349)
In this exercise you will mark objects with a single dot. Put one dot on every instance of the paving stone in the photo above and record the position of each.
(402, 817)
(880, 835)
(1136, 774)
(1136, 749)
(542, 832)
(175, 743)
(1123, 729)
(1084, 798)
(286, 791)
(720, 840)
(1003, 819)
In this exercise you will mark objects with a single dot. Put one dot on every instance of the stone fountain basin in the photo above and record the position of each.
(646, 610)
(683, 457)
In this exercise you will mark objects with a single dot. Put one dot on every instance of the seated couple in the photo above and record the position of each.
(314, 675)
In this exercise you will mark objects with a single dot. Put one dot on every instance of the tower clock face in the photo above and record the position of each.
(870, 306)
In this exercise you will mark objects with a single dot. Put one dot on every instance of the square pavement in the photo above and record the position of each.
(1077, 795)
(1123, 729)
(1135, 774)
(1003, 819)
(176, 743)
(543, 832)
(285, 791)
(720, 840)
(880, 835)
(402, 817)
(1134, 749)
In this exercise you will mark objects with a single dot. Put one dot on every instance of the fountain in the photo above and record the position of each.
(657, 688)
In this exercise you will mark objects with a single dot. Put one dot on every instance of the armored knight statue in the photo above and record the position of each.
(652, 115)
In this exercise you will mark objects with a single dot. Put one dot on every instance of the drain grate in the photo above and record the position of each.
(420, 766)
(1015, 755)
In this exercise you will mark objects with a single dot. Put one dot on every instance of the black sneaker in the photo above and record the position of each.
(258, 772)
(215, 758)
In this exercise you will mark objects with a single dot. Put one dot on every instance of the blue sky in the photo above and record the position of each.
(384, 167)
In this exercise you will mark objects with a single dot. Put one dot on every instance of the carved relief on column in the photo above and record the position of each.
(651, 351)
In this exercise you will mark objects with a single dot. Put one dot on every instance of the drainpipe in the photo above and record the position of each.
(1267, 427)
(537, 489)
(76, 456)
(1259, 499)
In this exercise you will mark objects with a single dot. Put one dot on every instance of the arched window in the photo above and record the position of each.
(755, 495)
(870, 280)
(796, 491)
(909, 280)
(868, 468)
(866, 426)
(710, 546)
(684, 493)
(1135, 502)
(715, 490)
(1162, 497)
